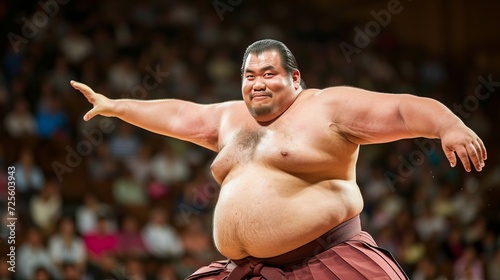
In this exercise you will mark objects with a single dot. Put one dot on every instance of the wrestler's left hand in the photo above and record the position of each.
(466, 144)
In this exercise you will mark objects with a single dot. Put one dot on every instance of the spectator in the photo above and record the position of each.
(101, 166)
(127, 191)
(411, 250)
(139, 163)
(75, 46)
(46, 207)
(166, 272)
(489, 244)
(199, 193)
(5, 272)
(52, 121)
(375, 188)
(476, 231)
(73, 272)
(426, 270)
(108, 268)
(125, 143)
(430, 225)
(65, 247)
(453, 247)
(42, 273)
(123, 76)
(20, 123)
(467, 203)
(60, 76)
(469, 266)
(88, 213)
(221, 68)
(33, 255)
(134, 269)
(29, 176)
(130, 242)
(101, 243)
(168, 167)
(443, 204)
(160, 238)
(156, 189)
(106, 51)
(494, 267)
(197, 241)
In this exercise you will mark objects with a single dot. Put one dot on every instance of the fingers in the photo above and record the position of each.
(461, 141)
(481, 152)
(450, 155)
(89, 94)
(83, 88)
(484, 154)
(464, 158)
(474, 153)
(475, 156)
(90, 114)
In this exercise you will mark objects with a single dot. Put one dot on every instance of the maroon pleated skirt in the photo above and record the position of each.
(345, 252)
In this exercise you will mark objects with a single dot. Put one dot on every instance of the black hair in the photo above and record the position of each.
(287, 59)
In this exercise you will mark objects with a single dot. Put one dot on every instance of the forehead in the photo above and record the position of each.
(267, 58)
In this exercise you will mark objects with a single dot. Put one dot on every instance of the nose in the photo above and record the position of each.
(258, 85)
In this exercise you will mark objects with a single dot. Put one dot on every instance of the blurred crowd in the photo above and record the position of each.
(106, 200)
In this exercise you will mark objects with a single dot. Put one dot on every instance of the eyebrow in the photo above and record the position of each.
(263, 69)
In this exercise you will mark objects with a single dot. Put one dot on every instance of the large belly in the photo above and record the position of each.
(264, 212)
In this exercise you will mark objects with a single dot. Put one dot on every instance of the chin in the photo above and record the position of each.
(261, 112)
(265, 118)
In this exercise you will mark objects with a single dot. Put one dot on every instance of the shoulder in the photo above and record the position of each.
(353, 98)
(328, 93)
(222, 107)
(337, 91)
(327, 96)
(231, 105)
(230, 108)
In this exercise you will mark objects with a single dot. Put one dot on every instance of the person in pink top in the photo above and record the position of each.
(100, 243)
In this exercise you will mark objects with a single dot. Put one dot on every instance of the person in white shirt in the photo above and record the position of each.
(32, 255)
(20, 122)
(65, 247)
(160, 238)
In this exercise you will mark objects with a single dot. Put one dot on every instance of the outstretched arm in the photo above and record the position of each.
(366, 117)
(180, 119)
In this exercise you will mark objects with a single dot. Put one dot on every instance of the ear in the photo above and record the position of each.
(296, 79)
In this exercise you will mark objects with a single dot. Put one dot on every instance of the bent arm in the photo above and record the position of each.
(366, 117)
(179, 119)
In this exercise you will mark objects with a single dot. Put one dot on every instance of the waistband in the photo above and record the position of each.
(333, 237)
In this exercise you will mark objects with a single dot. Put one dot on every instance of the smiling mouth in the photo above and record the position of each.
(259, 96)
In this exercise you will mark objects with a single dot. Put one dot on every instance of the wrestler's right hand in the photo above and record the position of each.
(102, 105)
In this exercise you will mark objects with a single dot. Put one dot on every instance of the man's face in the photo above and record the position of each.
(268, 90)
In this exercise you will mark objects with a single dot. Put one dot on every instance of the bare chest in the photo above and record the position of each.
(301, 149)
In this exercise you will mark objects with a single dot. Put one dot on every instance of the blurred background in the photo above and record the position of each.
(105, 200)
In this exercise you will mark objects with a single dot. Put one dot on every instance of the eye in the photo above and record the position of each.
(268, 74)
(249, 76)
